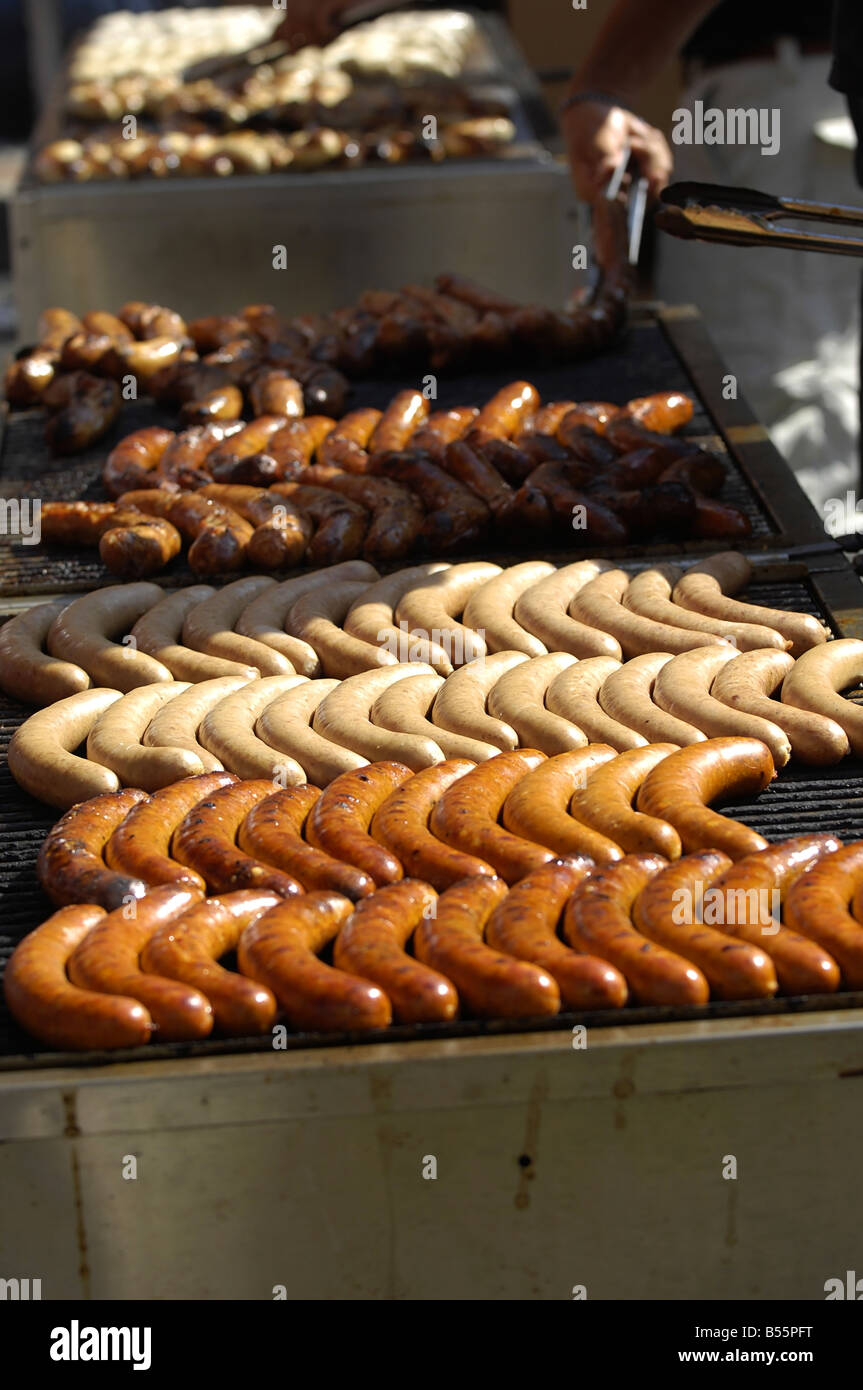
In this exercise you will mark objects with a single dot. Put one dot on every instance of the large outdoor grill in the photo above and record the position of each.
(560, 1153)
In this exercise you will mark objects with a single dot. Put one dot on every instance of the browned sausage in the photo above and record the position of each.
(41, 998)
(345, 446)
(466, 816)
(341, 524)
(222, 403)
(107, 961)
(749, 895)
(396, 514)
(681, 787)
(133, 545)
(372, 943)
(184, 460)
(505, 413)
(275, 392)
(273, 833)
(668, 911)
(85, 409)
(525, 925)
(188, 949)
(339, 822)
(401, 825)
(664, 412)
(133, 463)
(441, 428)
(206, 841)
(477, 474)
(279, 950)
(141, 845)
(597, 920)
(489, 983)
(818, 907)
(71, 867)
(404, 414)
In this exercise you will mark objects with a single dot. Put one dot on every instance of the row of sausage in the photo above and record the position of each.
(669, 912)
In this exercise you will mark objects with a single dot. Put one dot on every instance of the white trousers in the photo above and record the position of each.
(786, 322)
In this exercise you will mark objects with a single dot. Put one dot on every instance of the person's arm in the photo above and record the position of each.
(631, 49)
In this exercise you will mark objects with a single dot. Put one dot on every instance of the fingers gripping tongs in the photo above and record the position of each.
(744, 217)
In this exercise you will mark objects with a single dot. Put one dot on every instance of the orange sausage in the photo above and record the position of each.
(70, 866)
(41, 998)
(802, 967)
(536, 808)
(273, 832)
(188, 949)
(279, 951)
(668, 912)
(107, 961)
(679, 789)
(340, 819)
(372, 943)
(206, 841)
(466, 815)
(598, 920)
(492, 985)
(141, 846)
(401, 825)
(525, 925)
(818, 908)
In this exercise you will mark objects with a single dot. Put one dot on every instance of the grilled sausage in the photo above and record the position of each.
(454, 514)
(339, 821)
(664, 412)
(404, 414)
(525, 923)
(542, 609)
(802, 967)
(402, 825)
(272, 832)
(505, 413)
(84, 409)
(184, 462)
(605, 803)
(107, 961)
(372, 943)
(817, 907)
(41, 757)
(704, 587)
(41, 998)
(466, 816)
(188, 949)
(345, 446)
(680, 788)
(460, 705)
(536, 807)
(219, 536)
(84, 633)
(228, 731)
(135, 546)
(140, 847)
(667, 912)
(344, 717)
(279, 949)
(747, 683)
(440, 429)
(489, 983)
(482, 478)
(626, 695)
(27, 672)
(206, 841)
(157, 633)
(133, 463)
(682, 688)
(71, 867)
(396, 515)
(597, 919)
(816, 680)
(340, 524)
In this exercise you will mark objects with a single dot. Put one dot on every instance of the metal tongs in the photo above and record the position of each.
(744, 217)
(636, 202)
(238, 64)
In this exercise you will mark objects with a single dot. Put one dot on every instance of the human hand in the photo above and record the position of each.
(310, 22)
(596, 135)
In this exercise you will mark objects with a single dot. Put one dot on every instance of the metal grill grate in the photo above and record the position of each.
(802, 801)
